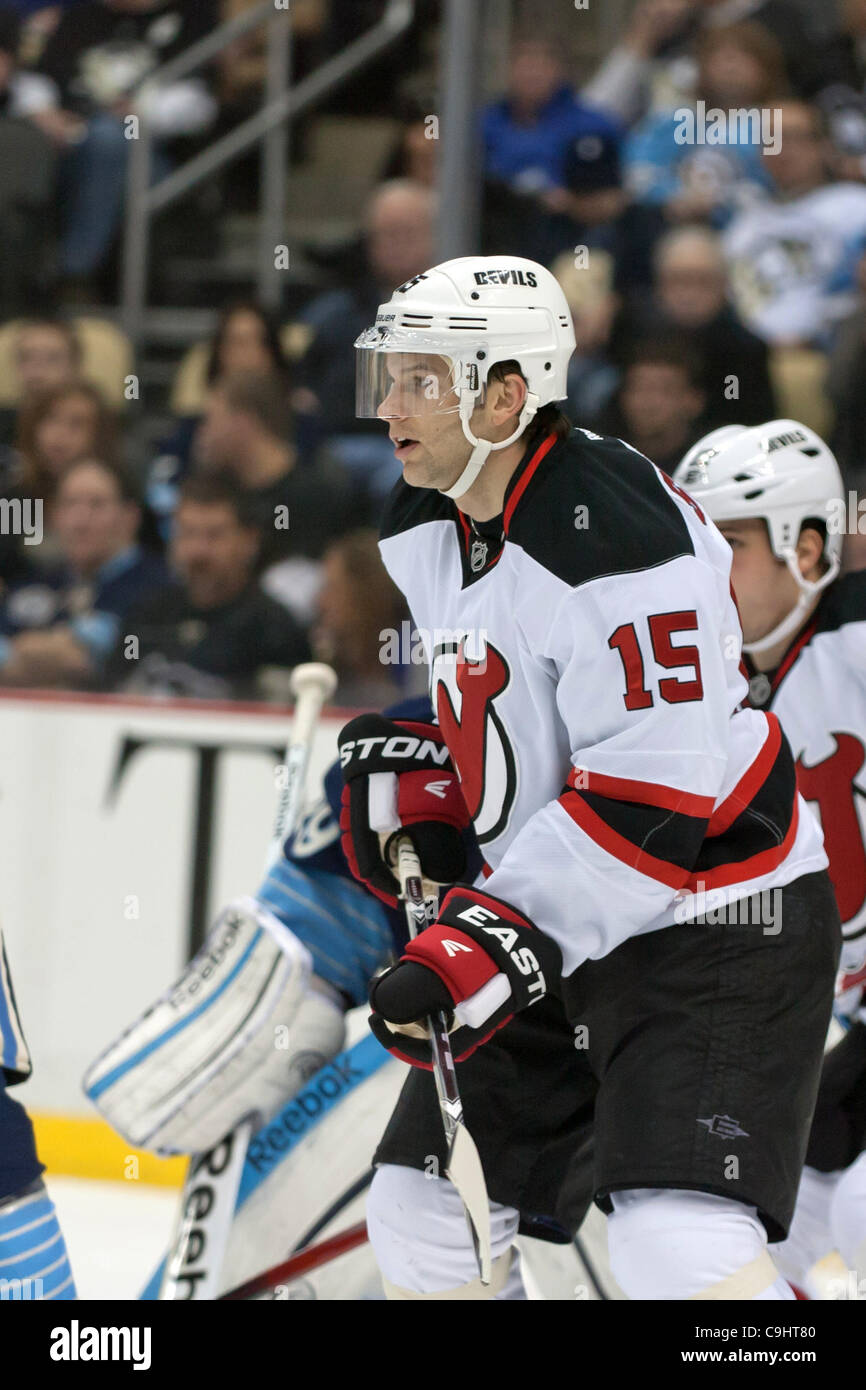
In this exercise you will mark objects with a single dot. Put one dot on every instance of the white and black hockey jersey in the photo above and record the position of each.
(585, 668)
(818, 693)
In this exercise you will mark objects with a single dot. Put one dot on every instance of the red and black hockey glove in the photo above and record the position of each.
(481, 960)
(406, 765)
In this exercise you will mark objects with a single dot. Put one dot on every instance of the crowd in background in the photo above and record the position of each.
(711, 281)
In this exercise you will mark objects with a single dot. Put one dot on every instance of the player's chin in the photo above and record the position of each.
(416, 468)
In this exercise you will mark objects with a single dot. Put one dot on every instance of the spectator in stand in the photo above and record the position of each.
(689, 300)
(669, 166)
(793, 258)
(659, 407)
(209, 631)
(550, 159)
(21, 92)
(243, 64)
(842, 99)
(55, 429)
(46, 354)
(246, 339)
(371, 90)
(59, 624)
(795, 27)
(592, 376)
(653, 69)
(415, 156)
(650, 69)
(363, 628)
(398, 243)
(58, 428)
(300, 507)
(95, 58)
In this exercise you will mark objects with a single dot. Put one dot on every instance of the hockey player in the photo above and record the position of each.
(777, 496)
(651, 873)
(33, 1259)
(299, 953)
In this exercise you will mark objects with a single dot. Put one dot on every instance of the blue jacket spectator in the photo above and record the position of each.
(662, 170)
(528, 148)
(549, 160)
(705, 160)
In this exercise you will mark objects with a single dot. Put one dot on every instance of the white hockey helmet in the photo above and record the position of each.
(781, 473)
(466, 314)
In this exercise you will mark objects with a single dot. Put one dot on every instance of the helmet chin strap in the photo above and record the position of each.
(808, 589)
(482, 448)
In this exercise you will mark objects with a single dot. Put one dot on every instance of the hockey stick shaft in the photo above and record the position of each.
(420, 912)
(312, 685)
(304, 1262)
(464, 1165)
(279, 1273)
(592, 1274)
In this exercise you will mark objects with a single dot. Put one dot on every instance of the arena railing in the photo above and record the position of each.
(268, 127)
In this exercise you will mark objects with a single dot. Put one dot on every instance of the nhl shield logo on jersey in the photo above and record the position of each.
(478, 556)
(467, 677)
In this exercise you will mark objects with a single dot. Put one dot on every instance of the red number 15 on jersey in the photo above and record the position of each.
(662, 627)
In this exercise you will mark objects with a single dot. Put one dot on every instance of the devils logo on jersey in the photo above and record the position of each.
(464, 691)
(831, 784)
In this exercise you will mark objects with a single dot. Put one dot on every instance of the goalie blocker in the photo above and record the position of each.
(238, 1033)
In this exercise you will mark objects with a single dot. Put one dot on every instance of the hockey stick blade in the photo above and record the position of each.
(464, 1171)
(463, 1167)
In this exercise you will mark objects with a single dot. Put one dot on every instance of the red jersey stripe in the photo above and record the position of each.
(617, 845)
(791, 657)
(525, 479)
(759, 864)
(752, 779)
(645, 793)
(671, 874)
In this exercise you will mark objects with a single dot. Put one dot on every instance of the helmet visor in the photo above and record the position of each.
(394, 382)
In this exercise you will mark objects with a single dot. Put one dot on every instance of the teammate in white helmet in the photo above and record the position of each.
(643, 835)
(777, 496)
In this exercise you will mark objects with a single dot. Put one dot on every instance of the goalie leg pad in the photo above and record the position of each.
(238, 1033)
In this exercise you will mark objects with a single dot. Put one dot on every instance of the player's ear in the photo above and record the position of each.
(810, 549)
(507, 396)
